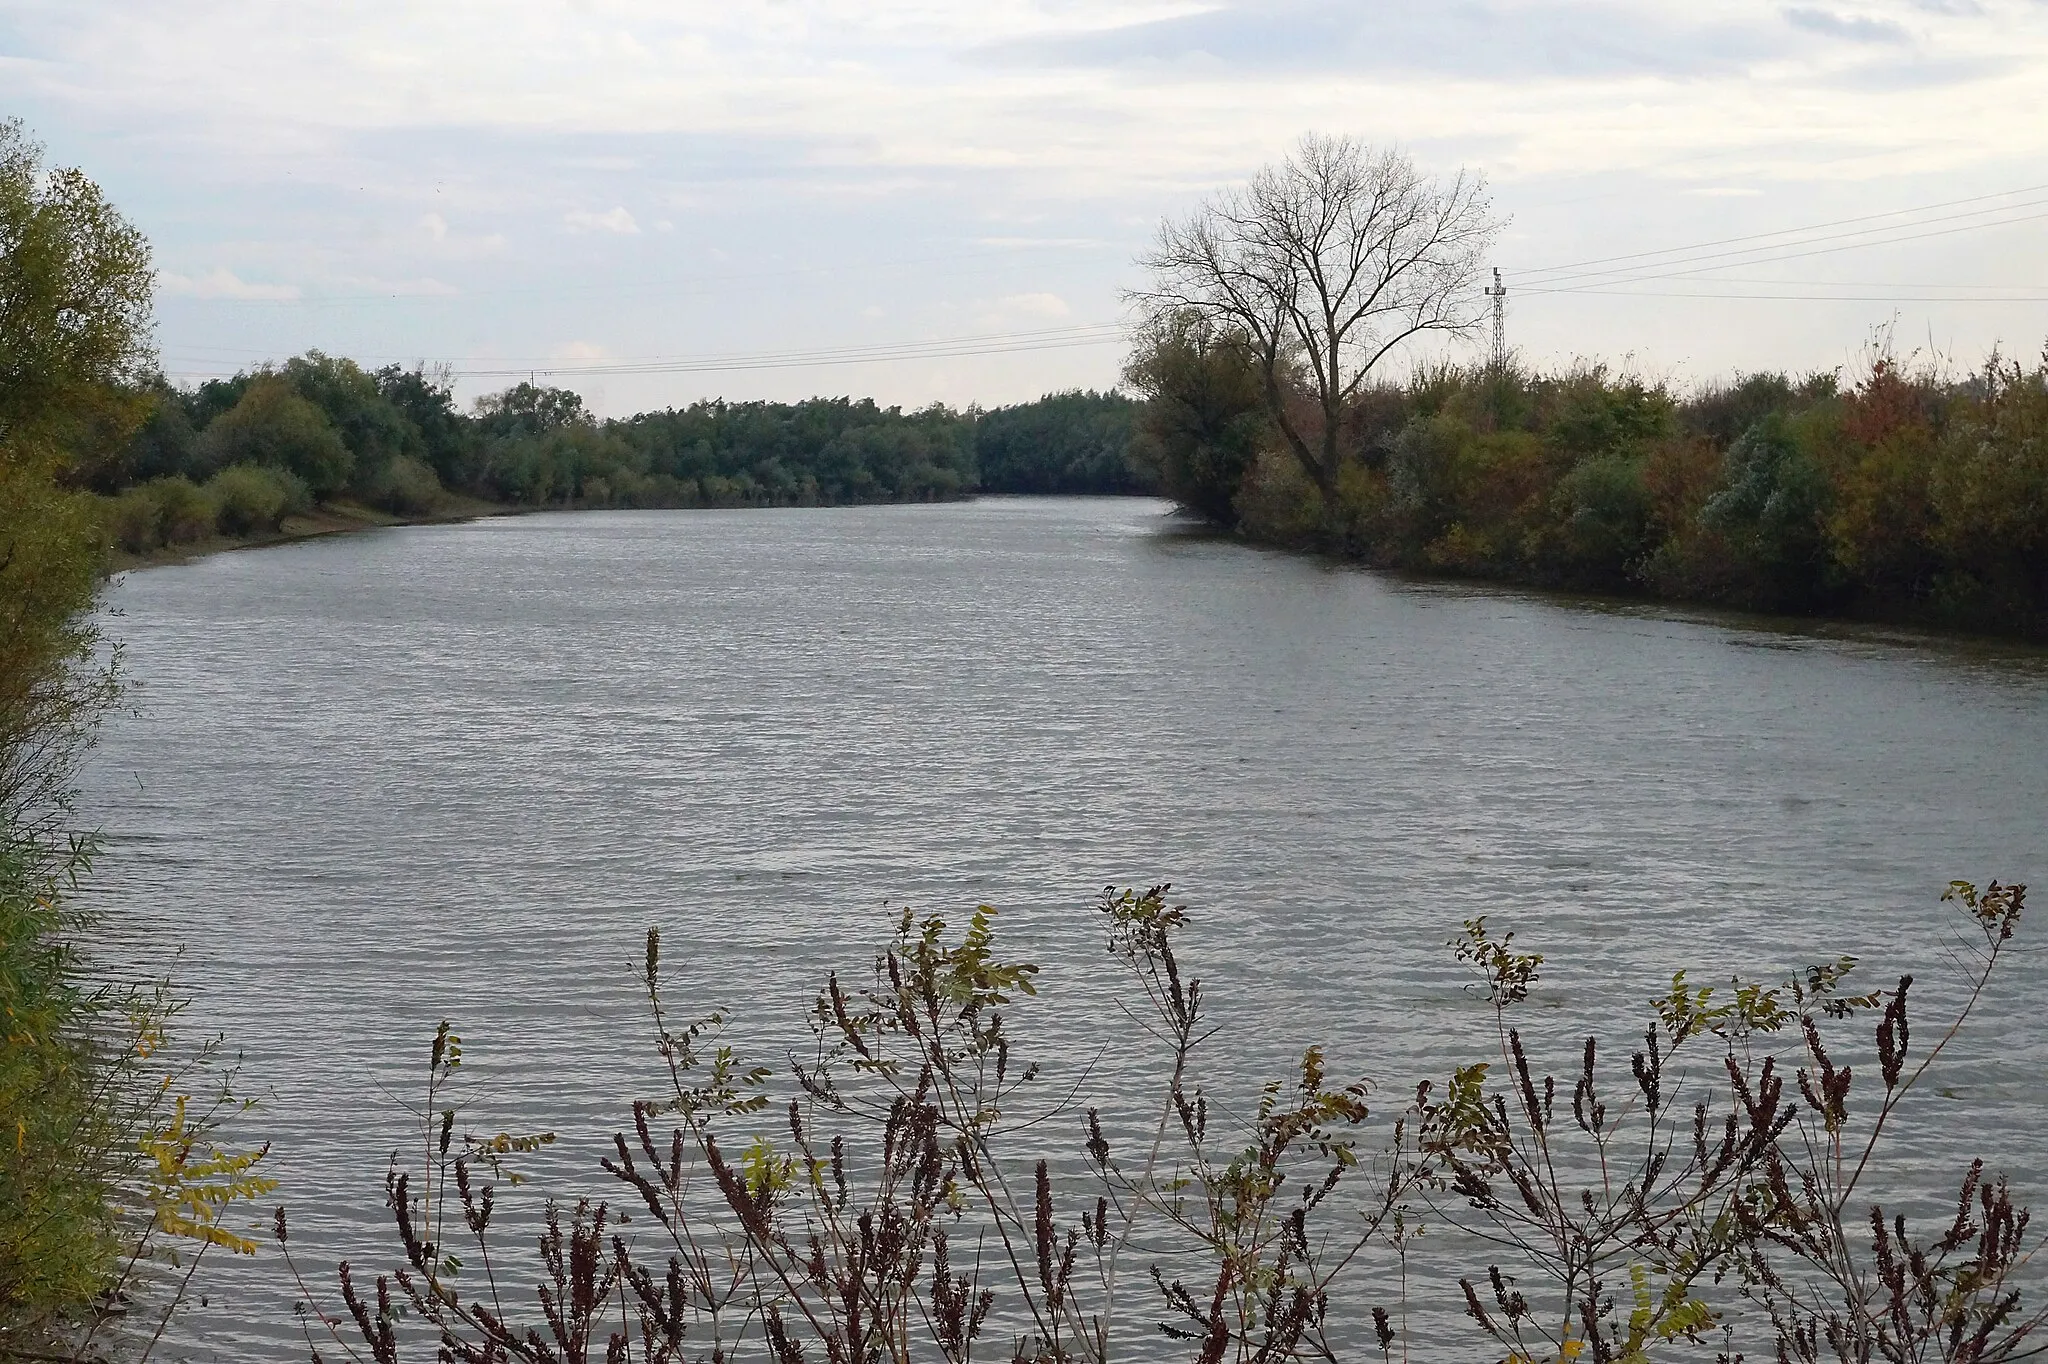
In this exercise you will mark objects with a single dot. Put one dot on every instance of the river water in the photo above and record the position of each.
(376, 781)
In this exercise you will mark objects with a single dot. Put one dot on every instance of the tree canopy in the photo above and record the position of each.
(1324, 265)
(75, 295)
(396, 439)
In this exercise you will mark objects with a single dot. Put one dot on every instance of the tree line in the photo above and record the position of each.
(1903, 492)
(238, 455)
(1902, 495)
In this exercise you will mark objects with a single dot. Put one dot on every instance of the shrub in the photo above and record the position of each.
(1906, 495)
(184, 512)
(1989, 490)
(248, 498)
(406, 487)
(1604, 511)
(131, 521)
(103, 1156)
(1276, 503)
(895, 1196)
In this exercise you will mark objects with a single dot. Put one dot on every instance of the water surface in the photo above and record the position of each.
(457, 771)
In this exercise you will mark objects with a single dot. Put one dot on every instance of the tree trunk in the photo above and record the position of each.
(1323, 475)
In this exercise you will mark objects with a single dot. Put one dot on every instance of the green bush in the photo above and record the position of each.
(130, 521)
(1277, 504)
(406, 487)
(1605, 514)
(105, 1159)
(248, 498)
(184, 512)
(272, 425)
(164, 511)
(58, 1243)
(1771, 509)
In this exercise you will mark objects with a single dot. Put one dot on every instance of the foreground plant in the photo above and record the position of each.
(902, 1192)
(1633, 1200)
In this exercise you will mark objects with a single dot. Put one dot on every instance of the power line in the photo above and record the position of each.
(1791, 231)
(1799, 298)
(1766, 255)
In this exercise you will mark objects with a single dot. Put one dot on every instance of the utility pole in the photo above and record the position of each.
(1499, 294)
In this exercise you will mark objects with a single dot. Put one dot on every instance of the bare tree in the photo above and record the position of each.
(1327, 263)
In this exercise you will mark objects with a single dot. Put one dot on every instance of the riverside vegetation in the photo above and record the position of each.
(236, 457)
(1902, 496)
(1264, 406)
(113, 1184)
(1904, 493)
(905, 1191)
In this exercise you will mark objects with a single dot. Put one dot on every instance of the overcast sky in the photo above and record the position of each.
(586, 186)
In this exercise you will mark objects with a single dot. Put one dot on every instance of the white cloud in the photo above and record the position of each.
(449, 244)
(580, 350)
(1855, 28)
(1040, 305)
(420, 287)
(1077, 94)
(222, 282)
(616, 220)
(803, 147)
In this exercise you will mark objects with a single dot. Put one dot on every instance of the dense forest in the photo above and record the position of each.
(236, 456)
(1899, 493)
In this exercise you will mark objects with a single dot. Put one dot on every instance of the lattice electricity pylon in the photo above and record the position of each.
(1499, 294)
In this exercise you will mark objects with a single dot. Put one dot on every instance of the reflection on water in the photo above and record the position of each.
(457, 771)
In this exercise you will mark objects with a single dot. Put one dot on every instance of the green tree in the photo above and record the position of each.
(1989, 490)
(427, 400)
(81, 1108)
(1324, 265)
(75, 292)
(75, 287)
(529, 410)
(1071, 442)
(1771, 510)
(373, 429)
(1205, 412)
(272, 425)
(165, 444)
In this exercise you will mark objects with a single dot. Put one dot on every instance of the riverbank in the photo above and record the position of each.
(1904, 621)
(340, 518)
(343, 518)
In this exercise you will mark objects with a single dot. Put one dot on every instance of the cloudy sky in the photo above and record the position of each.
(658, 200)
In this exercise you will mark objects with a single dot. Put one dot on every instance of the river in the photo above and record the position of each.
(375, 781)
